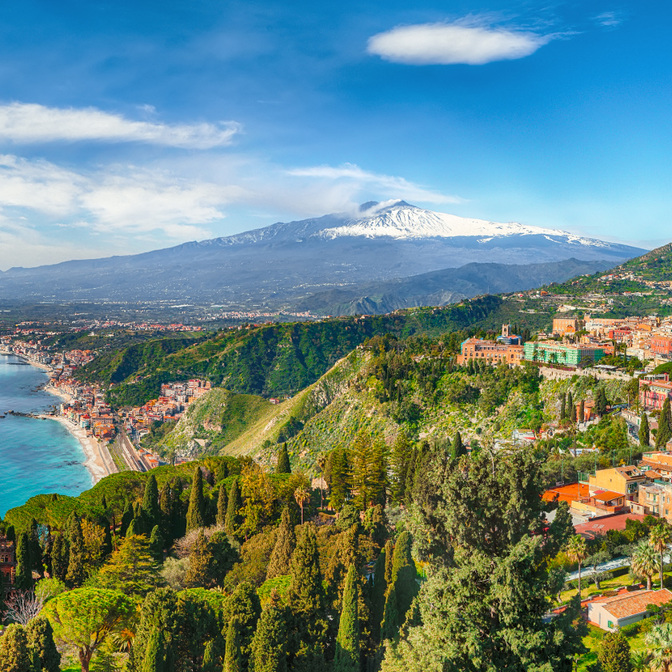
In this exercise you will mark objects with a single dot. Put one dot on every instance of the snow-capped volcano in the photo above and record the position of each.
(281, 263)
(398, 219)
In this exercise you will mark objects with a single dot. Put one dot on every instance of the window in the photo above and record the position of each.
(610, 624)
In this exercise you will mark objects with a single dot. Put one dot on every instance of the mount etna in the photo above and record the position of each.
(388, 255)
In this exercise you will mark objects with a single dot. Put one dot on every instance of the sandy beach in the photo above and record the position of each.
(98, 460)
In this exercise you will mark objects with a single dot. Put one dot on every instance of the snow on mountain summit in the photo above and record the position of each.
(398, 219)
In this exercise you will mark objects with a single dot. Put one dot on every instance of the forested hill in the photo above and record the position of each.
(276, 359)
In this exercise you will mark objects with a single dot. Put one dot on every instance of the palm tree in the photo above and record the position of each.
(577, 552)
(659, 643)
(640, 661)
(660, 537)
(644, 562)
(301, 495)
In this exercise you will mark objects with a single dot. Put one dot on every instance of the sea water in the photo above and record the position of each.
(36, 456)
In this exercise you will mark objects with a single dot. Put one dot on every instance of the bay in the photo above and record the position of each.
(36, 456)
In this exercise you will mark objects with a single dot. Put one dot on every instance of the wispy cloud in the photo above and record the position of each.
(609, 19)
(384, 185)
(27, 123)
(454, 43)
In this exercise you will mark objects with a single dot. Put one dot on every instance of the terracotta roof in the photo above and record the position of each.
(636, 603)
(566, 493)
(603, 524)
(606, 495)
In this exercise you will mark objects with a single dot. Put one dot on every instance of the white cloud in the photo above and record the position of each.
(24, 123)
(452, 43)
(384, 185)
(609, 19)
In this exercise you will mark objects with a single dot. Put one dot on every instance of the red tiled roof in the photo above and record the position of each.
(599, 526)
(606, 495)
(621, 606)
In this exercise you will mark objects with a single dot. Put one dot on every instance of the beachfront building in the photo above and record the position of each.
(553, 352)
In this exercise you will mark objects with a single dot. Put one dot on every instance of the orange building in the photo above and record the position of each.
(661, 345)
(567, 325)
(493, 353)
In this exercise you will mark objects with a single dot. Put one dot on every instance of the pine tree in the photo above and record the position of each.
(582, 411)
(155, 655)
(283, 466)
(14, 653)
(644, 431)
(232, 658)
(23, 577)
(285, 544)
(269, 646)
(458, 448)
(232, 509)
(664, 433)
(150, 503)
(221, 506)
(339, 478)
(196, 511)
(40, 639)
(347, 641)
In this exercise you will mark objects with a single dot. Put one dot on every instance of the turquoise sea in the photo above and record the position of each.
(36, 456)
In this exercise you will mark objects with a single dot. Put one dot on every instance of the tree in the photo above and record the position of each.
(563, 407)
(14, 652)
(400, 461)
(659, 644)
(155, 656)
(283, 466)
(60, 557)
(644, 431)
(83, 618)
(285, 544)
(131, 569)
(221, 506)
(23, 577)
(614, 653)
(41, 643)
(339, 477)
(601, 402)
(306, 596)
(200, 559)
(22, 606)
(369, 471)
(577, 551)
(76, 563)
(232, 509)
(150, 502)
(301, 495)
(664, 433)
(404, 574)
(571, 408)
(244, 607)
(232, 658)
(347, 641)
(660, 538)
(644, 562)
(156, 544)
(196, 510)
(269, 646)
(483, 532)
(458, 449)
(582, 411)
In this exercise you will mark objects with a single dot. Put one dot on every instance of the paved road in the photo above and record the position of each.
(615, 563)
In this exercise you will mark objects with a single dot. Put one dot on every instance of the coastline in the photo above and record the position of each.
(95, 462)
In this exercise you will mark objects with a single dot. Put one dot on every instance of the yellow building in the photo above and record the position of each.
(622, 480)
(567, 325)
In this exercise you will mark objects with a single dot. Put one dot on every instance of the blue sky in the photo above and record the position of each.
(127, 126)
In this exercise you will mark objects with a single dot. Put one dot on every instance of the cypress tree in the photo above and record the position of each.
(644, 432)
(36, 562)
(389, 559)
(196, 511)
(60, 557)
(285, 544)
(244, 607)
(23, 577)
(232, 658)
(389, 628)
(156, 544)
(306, 596)
(155, 655)
(76, 569)
(107, 541)
(283, 466)
(136, 528)
(582, 411)
(14, 653)
(563, 407)
(571, 408)
(601, 402)
(664, 433)
(200, 560)
(126, 518)
(150, 502)
(269, 646)
(221, 506)
(458, 448)
(378, 590)
(404, 574)
(339, 478)
(347, 640)
(212, 656)
(232, 508)
(222, 471)
(40, 638)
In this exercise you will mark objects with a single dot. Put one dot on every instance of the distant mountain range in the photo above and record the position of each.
(283, 265)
